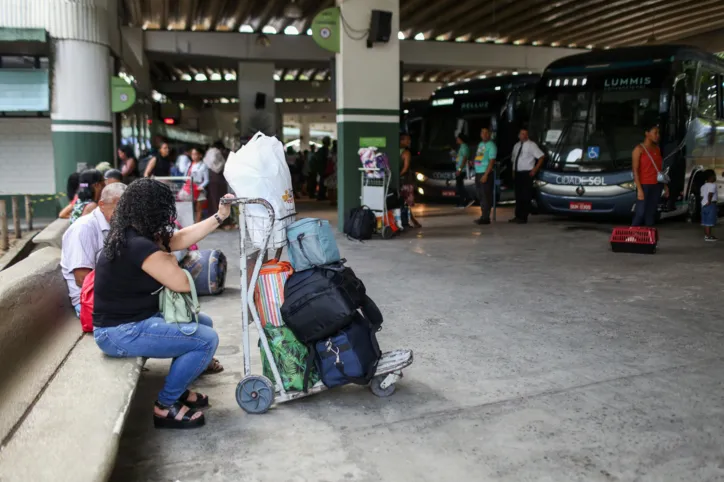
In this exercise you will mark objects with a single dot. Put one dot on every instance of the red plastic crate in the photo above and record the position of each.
(628, 239)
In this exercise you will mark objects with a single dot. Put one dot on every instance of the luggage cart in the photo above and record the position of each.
(256, 393)
(375, 186)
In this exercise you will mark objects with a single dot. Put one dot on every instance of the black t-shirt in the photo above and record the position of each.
(123, 292)
(162, 167)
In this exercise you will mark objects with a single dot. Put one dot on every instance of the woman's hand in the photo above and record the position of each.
(225, 209)
(640, 194)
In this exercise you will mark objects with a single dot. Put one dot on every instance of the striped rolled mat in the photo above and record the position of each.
(269, 291)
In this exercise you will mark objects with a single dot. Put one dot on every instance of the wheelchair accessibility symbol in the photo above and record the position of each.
(593, 152)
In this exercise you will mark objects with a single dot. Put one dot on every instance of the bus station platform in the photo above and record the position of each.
(539, 355)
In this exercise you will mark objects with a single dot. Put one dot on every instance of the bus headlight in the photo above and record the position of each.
(539, 183)
(421, 177)
(421, 191)
(631, 186)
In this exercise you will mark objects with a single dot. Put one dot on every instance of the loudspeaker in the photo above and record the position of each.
(380, 27)
(260, 101)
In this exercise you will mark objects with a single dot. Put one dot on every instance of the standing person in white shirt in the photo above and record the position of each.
(709, 199)
(183, 161)
(527, 160)
(84, 240)
(199, 173)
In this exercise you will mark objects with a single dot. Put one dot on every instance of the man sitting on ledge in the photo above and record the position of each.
(83, 241)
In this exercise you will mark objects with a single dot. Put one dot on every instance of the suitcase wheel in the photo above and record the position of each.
(376, 387)
(387, 232)
(255, 394)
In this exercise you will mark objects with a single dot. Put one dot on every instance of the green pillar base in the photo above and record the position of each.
(73, 148)
(348, 175)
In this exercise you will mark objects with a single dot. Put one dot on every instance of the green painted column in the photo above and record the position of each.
(352, 126)
(81, 125)
(368, 97)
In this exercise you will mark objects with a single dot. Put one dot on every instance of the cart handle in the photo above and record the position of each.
(236, 201)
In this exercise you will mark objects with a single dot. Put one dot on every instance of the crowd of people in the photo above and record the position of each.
(123, 227)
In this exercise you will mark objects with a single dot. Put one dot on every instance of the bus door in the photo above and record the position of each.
(673, 140)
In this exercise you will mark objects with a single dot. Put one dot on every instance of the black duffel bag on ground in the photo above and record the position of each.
(319, 302)
(360, 223)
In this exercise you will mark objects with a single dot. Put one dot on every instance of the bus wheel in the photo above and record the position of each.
(694, 208)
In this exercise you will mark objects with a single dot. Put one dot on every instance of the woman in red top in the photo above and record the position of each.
(646, 164)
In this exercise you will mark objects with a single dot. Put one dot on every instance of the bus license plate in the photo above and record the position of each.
(448, 193)
(578, 206)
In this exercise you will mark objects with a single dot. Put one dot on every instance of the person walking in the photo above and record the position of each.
(484, 177)
(318, 169)
(407, 177)
(461, 170)
(709, 199)
(527, 161)
(646, 164)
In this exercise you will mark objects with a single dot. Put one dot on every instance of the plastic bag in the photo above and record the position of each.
(259, 170)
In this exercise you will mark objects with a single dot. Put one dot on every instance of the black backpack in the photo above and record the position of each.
(360, 224)
(319, 302)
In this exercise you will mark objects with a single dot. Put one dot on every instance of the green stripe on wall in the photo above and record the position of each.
(348, 174)
(369, 111)
(73, 148)
(81, 122)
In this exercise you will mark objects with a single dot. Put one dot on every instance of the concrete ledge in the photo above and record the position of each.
(53, 234)
(72, 432)
(37, 331)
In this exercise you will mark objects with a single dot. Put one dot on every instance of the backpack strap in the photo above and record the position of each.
(310, 363)
(372, 313)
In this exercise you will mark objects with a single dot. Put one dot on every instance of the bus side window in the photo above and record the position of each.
(707, 102)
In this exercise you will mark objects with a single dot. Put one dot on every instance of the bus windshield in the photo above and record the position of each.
(590, 130)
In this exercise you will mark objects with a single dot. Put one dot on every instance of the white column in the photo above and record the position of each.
(368, 96)
(304, 133)
(257, 78)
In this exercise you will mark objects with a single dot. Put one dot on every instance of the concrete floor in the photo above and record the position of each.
(540, 355)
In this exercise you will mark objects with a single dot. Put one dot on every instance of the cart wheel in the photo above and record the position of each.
(255, 394)
(376, 387)
(386, 232)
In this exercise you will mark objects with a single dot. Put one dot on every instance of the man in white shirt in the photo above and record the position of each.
(183, 162)
(84, 239)
(527, 160)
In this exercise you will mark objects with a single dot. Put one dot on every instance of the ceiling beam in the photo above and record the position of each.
(676, 28)
(289, 50)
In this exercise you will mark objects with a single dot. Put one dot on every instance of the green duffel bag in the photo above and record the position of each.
(290, 356)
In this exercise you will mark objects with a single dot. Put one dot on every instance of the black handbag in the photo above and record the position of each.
(319, 302)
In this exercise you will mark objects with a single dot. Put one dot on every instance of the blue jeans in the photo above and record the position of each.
(154, 338)
(645, 213)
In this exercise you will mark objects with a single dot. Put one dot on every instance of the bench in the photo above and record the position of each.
(64, 403)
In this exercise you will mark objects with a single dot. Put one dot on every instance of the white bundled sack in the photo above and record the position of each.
(259, 170)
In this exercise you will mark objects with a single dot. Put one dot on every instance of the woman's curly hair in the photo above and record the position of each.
(149, 207)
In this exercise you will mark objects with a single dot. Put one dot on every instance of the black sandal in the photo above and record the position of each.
(170, 421)
(200, 402)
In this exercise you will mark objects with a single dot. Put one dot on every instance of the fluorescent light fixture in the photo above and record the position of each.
(497, 87)
(575, 82)
(268, 29)
(565, 82)
(536, 42)
(519, 41)
(400, 36)
(461, 39)
(571, 46)
(246, 29)
(558, 82)
(309, 31)
(291, 30)
(279, 100)
(555, 44)
(482, 76)
(420, 36)
(583, 82)
(589, 46)
(441, 38)
(421, 191)
(215, 76)
(224, 100)
(230, 76)
(200, 77)
(550, 83)
(500, 41)
(515, 72)
(480, 40)
(406, 111)
(277, 77)
(186, 77)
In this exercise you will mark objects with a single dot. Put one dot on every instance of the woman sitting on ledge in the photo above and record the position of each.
(136, 262)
